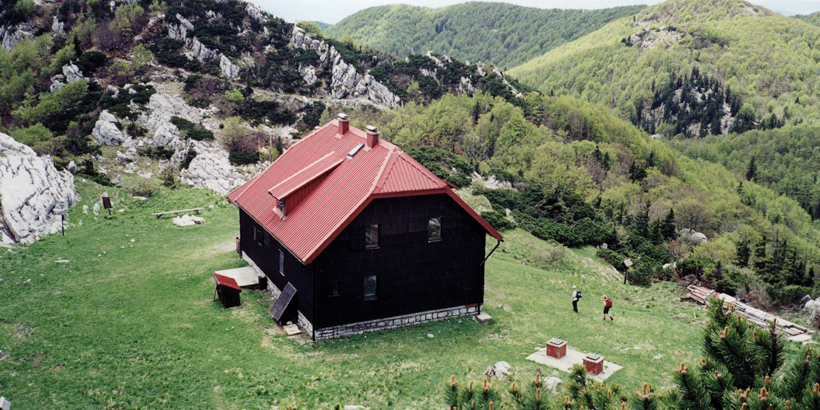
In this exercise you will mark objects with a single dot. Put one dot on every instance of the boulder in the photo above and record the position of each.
(57, 82)
(106, 132)
(499, 369)
(552, 383)
(33, 194)
(72, 73)
(72, 167)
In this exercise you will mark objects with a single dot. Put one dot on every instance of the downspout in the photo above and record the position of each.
(490, 254)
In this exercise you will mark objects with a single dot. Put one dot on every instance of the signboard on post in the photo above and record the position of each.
(628, 264)
(106, 201)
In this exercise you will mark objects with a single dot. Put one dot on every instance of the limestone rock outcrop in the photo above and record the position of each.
(57, 26)
(346, 82)
(72, 73)
(212, 171)
(106, 131)
(33, 194)
(11, 35)
(228, 68)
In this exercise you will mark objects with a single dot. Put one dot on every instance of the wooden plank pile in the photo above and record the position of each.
(759, 317)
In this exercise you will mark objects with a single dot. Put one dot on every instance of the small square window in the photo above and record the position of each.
(281, 262)
(370, 287)
(434, 229)
(371, 236)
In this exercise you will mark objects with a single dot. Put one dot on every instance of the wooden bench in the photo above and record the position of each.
(194, 210)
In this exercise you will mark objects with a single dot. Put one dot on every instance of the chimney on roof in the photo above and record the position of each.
(372, 136)
(344, 123)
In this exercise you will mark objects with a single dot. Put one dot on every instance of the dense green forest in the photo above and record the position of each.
(582, 176)
(813, 18)
(785, 160)
(768, 61)
(493, 33)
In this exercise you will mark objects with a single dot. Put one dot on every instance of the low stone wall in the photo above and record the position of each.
(395, 322)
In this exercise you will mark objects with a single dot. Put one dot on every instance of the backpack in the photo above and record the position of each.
(608, 302)
(578, 295)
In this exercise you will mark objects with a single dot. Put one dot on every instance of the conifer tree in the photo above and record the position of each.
(751, 169)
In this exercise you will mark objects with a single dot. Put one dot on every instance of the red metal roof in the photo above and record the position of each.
(332, 188)
(226, 281)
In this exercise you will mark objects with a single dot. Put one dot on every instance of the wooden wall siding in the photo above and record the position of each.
(266, 258)
(413, 274)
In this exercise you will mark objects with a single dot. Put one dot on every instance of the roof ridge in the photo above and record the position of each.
(421, 168)
(388, 166)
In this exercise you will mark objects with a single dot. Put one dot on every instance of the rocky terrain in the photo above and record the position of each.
(33, 194)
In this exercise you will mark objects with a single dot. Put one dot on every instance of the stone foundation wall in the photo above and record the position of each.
(395, 322)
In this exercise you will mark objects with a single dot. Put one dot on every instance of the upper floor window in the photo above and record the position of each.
(281, 206)
(371, 236)
(434, 229)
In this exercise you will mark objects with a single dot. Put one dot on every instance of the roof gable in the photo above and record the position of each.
(335, 187)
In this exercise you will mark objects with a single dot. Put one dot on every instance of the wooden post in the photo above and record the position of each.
(628, 264)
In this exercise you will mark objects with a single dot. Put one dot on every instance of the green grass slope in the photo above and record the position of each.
(770, 60)
(495, 33)
(129, 322)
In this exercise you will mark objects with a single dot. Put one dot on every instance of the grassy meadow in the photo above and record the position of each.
(130, 322)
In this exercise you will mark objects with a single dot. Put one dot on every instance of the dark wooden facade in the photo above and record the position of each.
(413, 273)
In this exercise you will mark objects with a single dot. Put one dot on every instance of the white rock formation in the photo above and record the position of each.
(33, 194)
(57, 82)
(106, 132)
(212, 171)
(11, 35)
(346, 82)
(254, 13)
(163, 107)
(57, 27)
(228, 68)
(72, 73)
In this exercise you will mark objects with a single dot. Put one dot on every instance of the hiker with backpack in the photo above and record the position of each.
(576, 294)
(607, 306)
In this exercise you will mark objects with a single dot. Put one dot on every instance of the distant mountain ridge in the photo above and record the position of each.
(767, 60)
(495, 33)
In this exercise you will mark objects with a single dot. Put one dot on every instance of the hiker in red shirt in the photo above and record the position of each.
(607, 306)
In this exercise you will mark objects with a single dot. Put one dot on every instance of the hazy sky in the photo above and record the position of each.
(331, 11)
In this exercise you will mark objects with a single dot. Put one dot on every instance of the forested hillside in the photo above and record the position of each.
(813, 18)
(494, 33)
(761, 64)
(581, 176)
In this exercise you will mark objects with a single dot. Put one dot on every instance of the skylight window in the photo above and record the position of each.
(355, 150)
